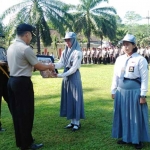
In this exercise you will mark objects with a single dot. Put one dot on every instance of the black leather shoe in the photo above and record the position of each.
(139, 146)
(76, 127)
(35, 146)
(2, 130)
(69, 126)
(121, 142)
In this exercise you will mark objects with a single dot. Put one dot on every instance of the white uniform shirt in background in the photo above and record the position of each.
(88, 52)
(111, 51)
(137, 67)
(104, 53)
(147, 52)
(142, 51)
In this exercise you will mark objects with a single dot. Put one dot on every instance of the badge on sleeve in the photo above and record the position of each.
(131, 69)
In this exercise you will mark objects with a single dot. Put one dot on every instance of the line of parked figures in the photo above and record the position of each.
(108, 55)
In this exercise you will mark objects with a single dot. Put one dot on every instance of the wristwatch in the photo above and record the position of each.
(142, 96)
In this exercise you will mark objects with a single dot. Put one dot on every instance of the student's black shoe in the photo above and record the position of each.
(139, 146)
(33, 147)
(121, 142)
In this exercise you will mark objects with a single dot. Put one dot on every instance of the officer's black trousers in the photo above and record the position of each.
(21, 99)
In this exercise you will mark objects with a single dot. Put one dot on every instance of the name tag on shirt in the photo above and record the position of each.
(131, 69)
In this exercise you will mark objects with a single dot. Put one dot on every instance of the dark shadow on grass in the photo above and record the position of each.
(54, 96)
(86, 90)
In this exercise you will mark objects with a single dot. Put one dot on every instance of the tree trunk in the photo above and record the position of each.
(101, 37)
(57, 53)
(55, 48)
(88, 30)
(88, 43)
(38, 40)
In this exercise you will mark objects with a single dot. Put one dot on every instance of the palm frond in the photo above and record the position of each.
(45, 33)
(95, 3)
(15, 8)
(104, 9)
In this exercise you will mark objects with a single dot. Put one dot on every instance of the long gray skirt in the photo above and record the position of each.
(130, 120)
(72, 105)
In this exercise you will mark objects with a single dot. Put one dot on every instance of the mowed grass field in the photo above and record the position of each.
(95, 133)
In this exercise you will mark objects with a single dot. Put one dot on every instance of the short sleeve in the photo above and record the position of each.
(30, 56)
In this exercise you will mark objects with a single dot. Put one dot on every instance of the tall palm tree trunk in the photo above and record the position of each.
(88, 30)
(38, 39)
(88, 43)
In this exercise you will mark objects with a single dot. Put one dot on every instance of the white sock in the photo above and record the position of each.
(75, 127)
(72, 121)
(76, 122)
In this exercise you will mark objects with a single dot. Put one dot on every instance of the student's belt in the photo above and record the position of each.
(4, 71)
(138, 80)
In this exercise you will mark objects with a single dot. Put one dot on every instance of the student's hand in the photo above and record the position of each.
(113, 96)
(142, 100)
(59, 75)
(53, 74)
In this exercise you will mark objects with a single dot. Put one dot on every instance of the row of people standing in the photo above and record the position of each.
(103, 55)
(145, 52)
(108, 55)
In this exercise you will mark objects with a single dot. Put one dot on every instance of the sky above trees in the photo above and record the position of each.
(140, 7)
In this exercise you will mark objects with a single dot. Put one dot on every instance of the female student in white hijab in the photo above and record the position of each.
(72, 105)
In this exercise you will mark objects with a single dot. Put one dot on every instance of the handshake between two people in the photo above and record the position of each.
(47, 70)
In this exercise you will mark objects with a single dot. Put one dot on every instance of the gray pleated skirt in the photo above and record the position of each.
(130, 121)
(72, 105)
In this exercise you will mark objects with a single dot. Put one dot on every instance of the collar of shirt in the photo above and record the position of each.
(133, 55)
(19, 40)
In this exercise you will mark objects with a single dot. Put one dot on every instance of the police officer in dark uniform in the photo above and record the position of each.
(4, 75)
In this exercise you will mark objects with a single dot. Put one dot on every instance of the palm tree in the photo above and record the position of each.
(120, 33)
(2, 37)
(91, 18)
(142, 39)
(55, 41)
(37, 13)
(1, 28)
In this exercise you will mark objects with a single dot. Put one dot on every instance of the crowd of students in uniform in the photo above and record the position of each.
(108, 55)
(145, 52)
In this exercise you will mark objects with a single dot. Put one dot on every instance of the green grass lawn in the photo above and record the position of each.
(95, 133)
